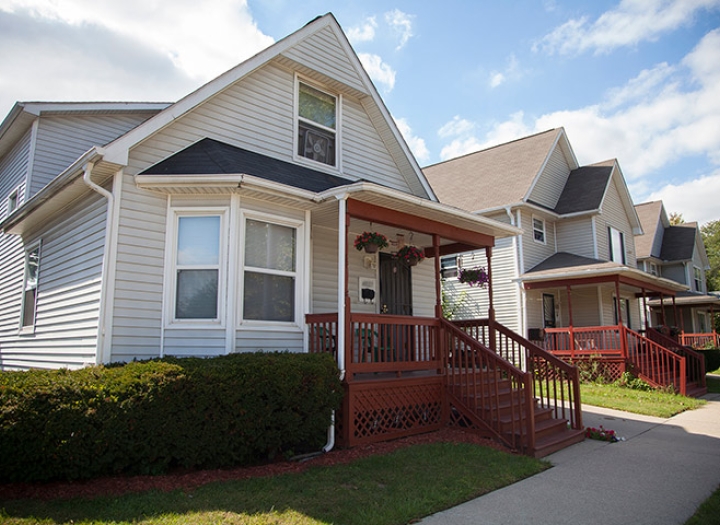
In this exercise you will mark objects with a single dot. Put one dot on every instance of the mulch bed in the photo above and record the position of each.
(118, 485)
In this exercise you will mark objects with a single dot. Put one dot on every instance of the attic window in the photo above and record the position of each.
(12, 202)
(317, 119)
(538, 230)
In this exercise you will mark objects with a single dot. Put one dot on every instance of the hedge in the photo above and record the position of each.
(148, 417)
(712, 358)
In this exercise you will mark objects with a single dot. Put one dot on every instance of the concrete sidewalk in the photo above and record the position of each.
(660, 474)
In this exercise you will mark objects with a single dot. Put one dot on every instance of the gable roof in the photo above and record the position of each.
(210, 157)
(652, 219)
(584, 189)
(494, 177)
(288, 53)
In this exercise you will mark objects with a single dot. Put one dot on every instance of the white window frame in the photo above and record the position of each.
(542, 231)
(299, 273)
(12, 201)
(450, 271)
(173, 267)
(697, 279)
(614, 233)
(336, 166)
(30, 328)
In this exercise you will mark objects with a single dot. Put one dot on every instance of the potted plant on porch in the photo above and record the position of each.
(371, 242)
(474, 277)
(410, 255)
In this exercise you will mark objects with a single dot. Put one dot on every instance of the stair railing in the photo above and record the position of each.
(656, 364)
(695, 362)
(556, 384)
(490, 386)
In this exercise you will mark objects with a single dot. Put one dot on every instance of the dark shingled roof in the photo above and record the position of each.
(564, 260)
(584, 189)
(211, 157)
(678, 243)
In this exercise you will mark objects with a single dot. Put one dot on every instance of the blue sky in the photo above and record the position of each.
(636, 80)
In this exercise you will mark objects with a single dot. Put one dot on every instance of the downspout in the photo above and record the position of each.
(87, 173)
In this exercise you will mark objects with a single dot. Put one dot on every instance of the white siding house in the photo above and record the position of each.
(218, 223)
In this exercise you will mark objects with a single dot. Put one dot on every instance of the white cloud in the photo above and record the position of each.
(456, 127)
(378, 70)
(201, 39)
(511, 71)
(416, 144)
(696, 200)
(364, 32)
(631, 22)
(466, 141)
(401, 24)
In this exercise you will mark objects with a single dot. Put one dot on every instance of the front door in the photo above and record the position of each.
(395, 286)
(395, 299)
(549, 320)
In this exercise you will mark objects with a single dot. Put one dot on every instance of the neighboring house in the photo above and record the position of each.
(570, 281)
(678, 253)
(225, 223)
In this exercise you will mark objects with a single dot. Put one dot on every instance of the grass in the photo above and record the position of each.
(713, 383)
(708, 512)
(391, 489)
(650, 403)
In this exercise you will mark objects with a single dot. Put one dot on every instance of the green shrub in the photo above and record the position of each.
(146, 417)
(712, 358)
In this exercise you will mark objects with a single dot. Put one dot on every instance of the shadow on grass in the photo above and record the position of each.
(408, 484)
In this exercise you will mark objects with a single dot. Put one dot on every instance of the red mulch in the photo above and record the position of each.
(113, 486)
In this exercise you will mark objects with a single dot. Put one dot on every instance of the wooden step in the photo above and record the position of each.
(550, 443)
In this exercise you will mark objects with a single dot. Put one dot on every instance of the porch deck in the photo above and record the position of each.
(405, 375)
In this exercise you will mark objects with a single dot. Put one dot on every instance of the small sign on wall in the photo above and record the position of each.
(368, 289)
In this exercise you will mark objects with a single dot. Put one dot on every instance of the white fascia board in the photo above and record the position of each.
(499, 229)
(625, 270)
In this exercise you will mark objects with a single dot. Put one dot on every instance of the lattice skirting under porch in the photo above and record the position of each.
(379, 410)
(594, 368)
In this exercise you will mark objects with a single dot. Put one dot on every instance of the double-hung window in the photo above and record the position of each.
(317, 124)
(616, 240)
(538, 230)
(698, 279)
(198, 276)
(449, 267)
(271, 278)
(30, 286)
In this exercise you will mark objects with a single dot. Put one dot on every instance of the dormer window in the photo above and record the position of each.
(317, 121)
(538, 230)
(12, 202)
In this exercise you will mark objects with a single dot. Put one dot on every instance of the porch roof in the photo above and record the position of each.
(567, 269)
(688, 298)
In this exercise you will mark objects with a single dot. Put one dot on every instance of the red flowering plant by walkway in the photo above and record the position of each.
(601, 434)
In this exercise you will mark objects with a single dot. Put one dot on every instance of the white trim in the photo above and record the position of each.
(31, 161)
(593, 226)
(233, 240)
(520, 253)
(170, 279)
(307, 278)
(299, 274)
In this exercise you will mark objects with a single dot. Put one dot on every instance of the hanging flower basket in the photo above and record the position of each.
(371, 242)
(410, 255)
(474, 277)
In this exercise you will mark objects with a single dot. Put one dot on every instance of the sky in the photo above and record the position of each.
(635, 80)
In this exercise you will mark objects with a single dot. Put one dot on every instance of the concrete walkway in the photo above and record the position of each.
(660, 474)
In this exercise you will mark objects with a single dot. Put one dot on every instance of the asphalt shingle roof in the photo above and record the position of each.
(211, 157)
(678, 242)
(584, 189)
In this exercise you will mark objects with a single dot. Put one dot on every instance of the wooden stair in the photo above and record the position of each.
(551, 434)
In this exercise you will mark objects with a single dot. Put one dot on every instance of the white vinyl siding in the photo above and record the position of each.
(13, 173)
(325, 270)
(614, 215)
(68, 295)
(62, 139)
(576, 236)
(257, 114)
(551, 182)
(535, 252)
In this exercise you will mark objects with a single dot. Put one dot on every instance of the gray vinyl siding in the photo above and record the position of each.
(137, 311)
(13, 172)
(675, 272)
(66, 326)
(615, 215)
(324, 270)
(551, 182)
(257, 114)
(576, 236)
(62, 139)
(535, 252)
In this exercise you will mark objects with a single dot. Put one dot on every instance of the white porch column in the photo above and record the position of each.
(342, 283)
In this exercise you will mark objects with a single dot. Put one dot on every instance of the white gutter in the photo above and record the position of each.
(109, 229)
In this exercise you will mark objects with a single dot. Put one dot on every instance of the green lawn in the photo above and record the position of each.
(649, 403)
(386, 489)
(708, 512)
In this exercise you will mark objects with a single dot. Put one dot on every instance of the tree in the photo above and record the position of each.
(676, 218)
(711, 238)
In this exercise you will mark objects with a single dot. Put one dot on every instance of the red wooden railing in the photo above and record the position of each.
(557, 383)
(656, 364)
(573, 342)
(700, 340)
(694, 361)
(500, 393)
